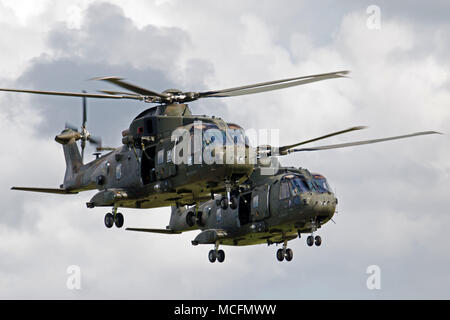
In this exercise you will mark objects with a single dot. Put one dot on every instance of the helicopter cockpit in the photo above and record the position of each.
(321, 183)
(237, 134)
(294, 184)
(212, 135)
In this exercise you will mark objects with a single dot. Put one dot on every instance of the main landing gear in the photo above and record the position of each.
(216, 254)
(114, 218)
(230, 199)
(285, 253)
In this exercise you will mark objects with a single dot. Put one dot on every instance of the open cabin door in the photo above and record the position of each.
(148, 165)
(260, 203)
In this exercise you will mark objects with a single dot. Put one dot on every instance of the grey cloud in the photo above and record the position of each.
(108, 43)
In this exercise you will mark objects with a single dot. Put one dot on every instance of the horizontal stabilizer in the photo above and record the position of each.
(164, 231)
(45, 190)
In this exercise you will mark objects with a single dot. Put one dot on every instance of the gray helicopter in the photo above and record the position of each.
(275, 205)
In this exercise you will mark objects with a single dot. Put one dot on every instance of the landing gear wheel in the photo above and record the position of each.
(190, 219)
(280, 255)
(310, 241)
(109, 220)
(233, 203)
(318, 241)
(224, 203)
(220, 256)
(118, 220)
(212, 256)
(289, 254)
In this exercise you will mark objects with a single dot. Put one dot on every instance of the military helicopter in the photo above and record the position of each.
(271, 207)
(143, 173)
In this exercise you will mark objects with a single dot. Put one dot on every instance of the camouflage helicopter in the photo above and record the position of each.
(275, 205)
(143, 173)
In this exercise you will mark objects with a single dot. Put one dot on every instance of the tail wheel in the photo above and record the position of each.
(109, 220)
(118, 220)
(280, 255)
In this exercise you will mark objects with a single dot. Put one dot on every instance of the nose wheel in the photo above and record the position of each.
(311, 240)
(114, 218)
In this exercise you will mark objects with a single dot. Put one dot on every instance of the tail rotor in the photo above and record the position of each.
(84, 133)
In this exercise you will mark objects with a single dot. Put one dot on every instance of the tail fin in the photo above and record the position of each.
(68, 139)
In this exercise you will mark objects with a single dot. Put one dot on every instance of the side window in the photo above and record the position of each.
(118, 171)
(284, 190)
(161, 156)
(255, 201)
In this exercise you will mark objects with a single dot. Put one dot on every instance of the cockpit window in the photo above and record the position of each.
(293, 185)
(284, 190)
(237, 135)
(211, 134)
(298, 186)
(321, 183)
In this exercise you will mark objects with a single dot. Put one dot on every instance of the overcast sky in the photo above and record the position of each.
(393, 197)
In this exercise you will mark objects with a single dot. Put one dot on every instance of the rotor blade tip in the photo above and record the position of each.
(106, 78)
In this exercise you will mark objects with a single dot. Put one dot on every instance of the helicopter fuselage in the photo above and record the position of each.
(276, 209)
(147, 172)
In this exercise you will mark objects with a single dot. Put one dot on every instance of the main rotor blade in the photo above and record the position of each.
(284, 149)
(357, 143)
(272, 85)
(76, 94)
(119, 93)
(119, 82)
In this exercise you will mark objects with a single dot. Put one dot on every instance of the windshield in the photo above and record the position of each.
(237, 135)
(321, 183)
(211, 134)
(298, 184)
